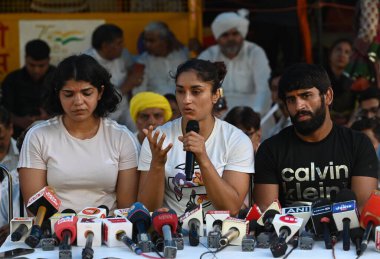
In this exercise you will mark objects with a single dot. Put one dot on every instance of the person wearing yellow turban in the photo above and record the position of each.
(148, 108)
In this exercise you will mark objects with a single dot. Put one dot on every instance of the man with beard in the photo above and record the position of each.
(313, 158)
(246, 82)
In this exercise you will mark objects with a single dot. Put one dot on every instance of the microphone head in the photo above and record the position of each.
(192, 125)
(66, 223)
(106, 208)
(268, 218)
(254, 213)
(86, 226)
(290, 222)
(345, 195)
(69, 211)
(274, 206)
(47, 198)
(344, 209)
(164, 216)
(371, 210)
(322, 213)
(139, 213)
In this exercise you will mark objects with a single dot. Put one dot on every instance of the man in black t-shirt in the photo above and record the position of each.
(23, 89)
(313, 158)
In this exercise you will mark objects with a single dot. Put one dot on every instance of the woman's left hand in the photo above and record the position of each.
(195, 143)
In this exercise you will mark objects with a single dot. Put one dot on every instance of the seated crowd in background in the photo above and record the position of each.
(127, 116)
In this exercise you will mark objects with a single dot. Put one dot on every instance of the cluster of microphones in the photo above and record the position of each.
(164, 231)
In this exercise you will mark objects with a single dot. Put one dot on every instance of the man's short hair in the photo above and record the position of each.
(243, 116)
(370, 93)
(368, 124)
(303, 76)
(105, 33)
(37, 49)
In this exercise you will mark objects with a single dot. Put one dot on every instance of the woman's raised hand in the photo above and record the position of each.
(159, 154)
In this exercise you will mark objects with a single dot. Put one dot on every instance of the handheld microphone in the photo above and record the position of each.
(214, 236)
(303, 211)
(233, 231)
(193, 222)
(114, 226)
(370, 217)
(89, 235)
(356, 235)
(122, 236)
(286, 227)
(264, 239)
(19, 227)
(214, 221)
(322, 220)
(165, 223)
(345, 214)
(192, 125)
(249, 240)
(306, 240)
(56, 216)
(21, 230)
(139, 216)
(66, 231)
(268, 215)
(212, 216)
(43, 204)
(254, 213)
(47, 242)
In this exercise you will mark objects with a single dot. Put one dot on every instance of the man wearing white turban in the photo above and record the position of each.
(248, 71)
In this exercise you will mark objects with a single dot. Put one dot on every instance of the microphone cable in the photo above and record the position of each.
(213, 252)
(156, 250)
(333, 242)
(151, 257)
(294, 244)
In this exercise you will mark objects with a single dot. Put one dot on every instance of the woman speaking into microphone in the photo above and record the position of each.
(223, 154)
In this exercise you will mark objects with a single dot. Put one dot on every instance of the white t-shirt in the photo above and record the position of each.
(83, 172)
(158, 69)
(118, 67)
(246, 81)
(227, 147)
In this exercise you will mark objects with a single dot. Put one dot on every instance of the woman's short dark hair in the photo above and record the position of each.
(105, 33)
(207, 71)
(87, 69)
(303, 76)
(243, 117)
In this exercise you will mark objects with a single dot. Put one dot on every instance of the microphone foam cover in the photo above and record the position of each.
(66, 223)
(164, 216)
(138, 212)
(371, 210)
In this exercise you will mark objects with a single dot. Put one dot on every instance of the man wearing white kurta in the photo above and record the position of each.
(248, 70)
